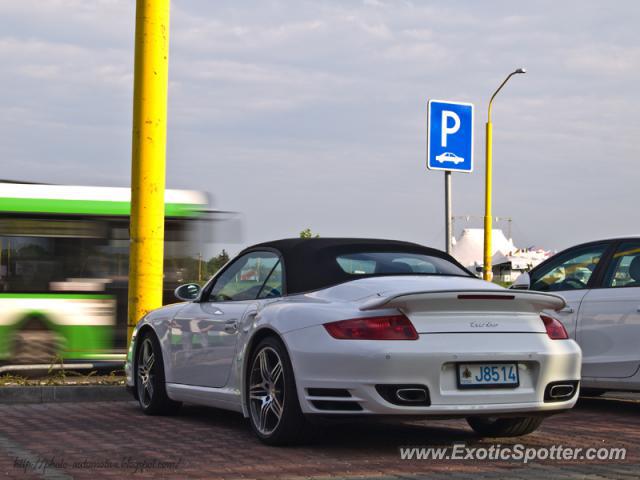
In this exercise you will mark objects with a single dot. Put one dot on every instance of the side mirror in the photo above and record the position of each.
(523, 282)
(187, 292)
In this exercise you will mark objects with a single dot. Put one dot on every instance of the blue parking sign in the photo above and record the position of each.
(450, 136)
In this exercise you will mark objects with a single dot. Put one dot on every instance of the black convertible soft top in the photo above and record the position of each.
(310, 263)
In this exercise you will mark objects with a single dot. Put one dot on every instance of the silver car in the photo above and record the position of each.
(303, 328)
(600, 282)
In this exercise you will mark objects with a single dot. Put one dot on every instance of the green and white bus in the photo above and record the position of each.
(64, 267)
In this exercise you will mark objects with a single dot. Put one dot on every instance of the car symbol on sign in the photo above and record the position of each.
(449, 157)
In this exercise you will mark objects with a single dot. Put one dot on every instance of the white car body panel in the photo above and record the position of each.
(213, 328)
(449, 331)
(605, 322)
(430, 361)
(608, 332)
(569, 314)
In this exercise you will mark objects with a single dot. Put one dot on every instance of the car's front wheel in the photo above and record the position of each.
(272, 400)
(504, 427)
(150, 380)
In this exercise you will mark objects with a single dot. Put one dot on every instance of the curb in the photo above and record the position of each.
(64, 393)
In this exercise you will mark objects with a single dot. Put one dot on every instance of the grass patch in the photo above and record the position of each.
(69, 378)
(63, 377)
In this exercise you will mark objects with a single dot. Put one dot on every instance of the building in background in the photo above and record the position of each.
(508, 260)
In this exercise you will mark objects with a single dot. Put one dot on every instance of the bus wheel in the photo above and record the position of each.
(35, 343)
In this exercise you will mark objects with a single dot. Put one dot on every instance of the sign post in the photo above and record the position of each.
(449, 146)
(448, 227)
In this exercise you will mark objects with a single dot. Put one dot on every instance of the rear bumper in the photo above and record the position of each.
(357, 366)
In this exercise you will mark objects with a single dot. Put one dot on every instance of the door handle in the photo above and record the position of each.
(567, 309)
(231, 327)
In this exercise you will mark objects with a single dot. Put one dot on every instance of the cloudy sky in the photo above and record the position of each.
(312, 113)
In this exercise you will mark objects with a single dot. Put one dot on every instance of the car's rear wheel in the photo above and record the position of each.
(150, 380)
(504, 427)
(272, 400)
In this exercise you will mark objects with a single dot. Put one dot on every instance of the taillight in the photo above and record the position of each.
(555, 329)
(392, 327)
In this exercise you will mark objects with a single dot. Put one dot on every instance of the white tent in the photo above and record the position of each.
(469, 247)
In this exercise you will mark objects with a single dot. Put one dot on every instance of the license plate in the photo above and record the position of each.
(488, 375)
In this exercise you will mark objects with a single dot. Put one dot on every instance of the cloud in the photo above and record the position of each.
(605, 60)
(312, 113)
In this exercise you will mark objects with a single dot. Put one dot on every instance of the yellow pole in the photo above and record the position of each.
(487, 272)
(148, 158)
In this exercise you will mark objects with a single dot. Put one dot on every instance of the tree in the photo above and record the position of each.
(306, 233)
(216, 263)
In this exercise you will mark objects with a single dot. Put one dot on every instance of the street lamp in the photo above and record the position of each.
(487, 272)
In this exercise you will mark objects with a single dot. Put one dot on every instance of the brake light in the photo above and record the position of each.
(555, 329)
(391, 327)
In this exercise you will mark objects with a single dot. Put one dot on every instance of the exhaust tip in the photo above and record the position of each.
(560, 391)
(405, 395)
(411, 395)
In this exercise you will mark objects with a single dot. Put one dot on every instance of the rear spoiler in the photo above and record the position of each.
(507, 300)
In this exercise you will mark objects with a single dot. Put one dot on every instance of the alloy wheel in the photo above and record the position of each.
(266, 390)
(146, 372)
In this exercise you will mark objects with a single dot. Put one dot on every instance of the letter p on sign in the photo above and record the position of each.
(446, 129)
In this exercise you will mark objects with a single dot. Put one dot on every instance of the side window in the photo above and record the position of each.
(274, 285)
(244, 278)
(624, 269)
(570, 271)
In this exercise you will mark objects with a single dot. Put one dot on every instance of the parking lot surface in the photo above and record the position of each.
(115, 440)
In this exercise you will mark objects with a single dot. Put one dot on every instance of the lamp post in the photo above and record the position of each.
(487, 272)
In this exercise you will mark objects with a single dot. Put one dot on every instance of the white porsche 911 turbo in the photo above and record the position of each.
(302, 328)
